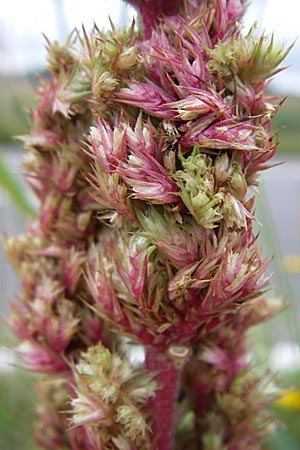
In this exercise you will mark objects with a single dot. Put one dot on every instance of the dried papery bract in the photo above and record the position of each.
(145, 153)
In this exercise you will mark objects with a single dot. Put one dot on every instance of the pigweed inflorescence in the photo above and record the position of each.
(145, 153)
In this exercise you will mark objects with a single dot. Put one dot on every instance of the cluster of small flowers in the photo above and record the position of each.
(145, 155)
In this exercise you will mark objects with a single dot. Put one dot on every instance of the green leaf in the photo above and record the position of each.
(282, 440)
(10, 184)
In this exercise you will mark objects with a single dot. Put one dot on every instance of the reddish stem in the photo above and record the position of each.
(162, 406)
(151, 10)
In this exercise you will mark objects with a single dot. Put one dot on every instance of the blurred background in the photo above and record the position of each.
(22, 52)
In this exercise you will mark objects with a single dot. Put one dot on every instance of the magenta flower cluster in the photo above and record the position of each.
(144, 153)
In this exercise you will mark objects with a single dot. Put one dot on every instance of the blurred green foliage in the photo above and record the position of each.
(16, 411)
(16, 94)
(287, 435)
(11, 185)
(17, 400)
(287, 120)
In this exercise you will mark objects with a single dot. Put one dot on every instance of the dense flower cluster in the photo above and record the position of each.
(145, 156)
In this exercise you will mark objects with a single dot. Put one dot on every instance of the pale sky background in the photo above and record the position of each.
(22, 23)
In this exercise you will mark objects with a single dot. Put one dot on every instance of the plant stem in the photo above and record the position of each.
(151, 10)
(162, 406)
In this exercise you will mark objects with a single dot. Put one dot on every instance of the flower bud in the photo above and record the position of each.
(104, 85)
(237, 183)
(221, 168)
(40, 358)
(127, 59)
(134, 423)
